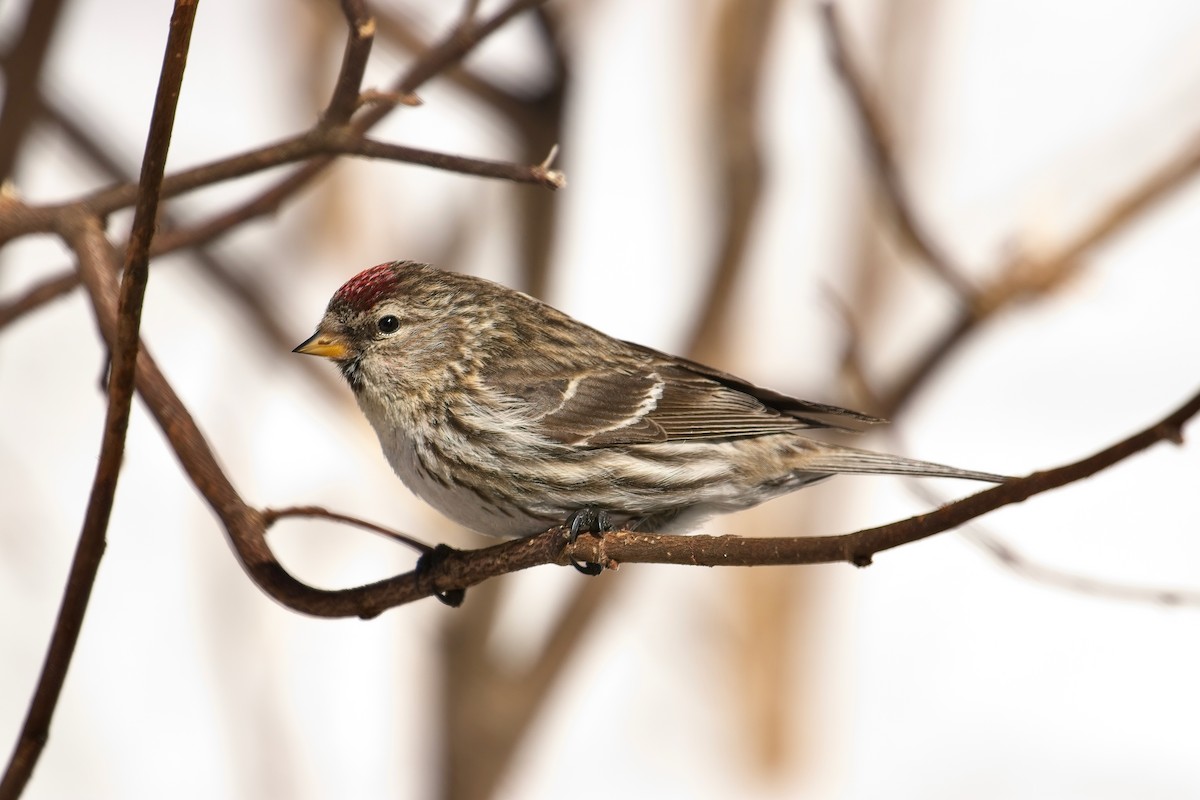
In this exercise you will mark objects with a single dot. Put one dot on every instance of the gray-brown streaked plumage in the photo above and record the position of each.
(508, 416)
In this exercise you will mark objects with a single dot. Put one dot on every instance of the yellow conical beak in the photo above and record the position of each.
(327, 345)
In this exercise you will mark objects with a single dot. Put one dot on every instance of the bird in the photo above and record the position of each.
(510, 417)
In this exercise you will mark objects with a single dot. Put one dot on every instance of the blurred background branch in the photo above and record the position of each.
(712, 146)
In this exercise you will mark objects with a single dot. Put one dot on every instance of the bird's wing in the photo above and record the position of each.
(810, 414)
(587, 409)
(658, 401)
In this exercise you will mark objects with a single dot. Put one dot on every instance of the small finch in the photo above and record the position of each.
(510, 417)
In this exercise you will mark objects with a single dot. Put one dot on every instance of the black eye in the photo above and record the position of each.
(388, 324)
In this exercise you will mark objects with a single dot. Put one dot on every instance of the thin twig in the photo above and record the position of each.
(1022, 278)
(90, 547)
(344, 101)
(317, 147)
(319, 142)
(334, 141)
(346, 144)
(270, 515)
(38, 295)
(395, 29)
(875, 134)
(1013, 559)
(91, 246)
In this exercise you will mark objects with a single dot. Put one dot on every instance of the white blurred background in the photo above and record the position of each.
(936, 673)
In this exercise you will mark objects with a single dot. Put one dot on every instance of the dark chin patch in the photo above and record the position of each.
(352, 371)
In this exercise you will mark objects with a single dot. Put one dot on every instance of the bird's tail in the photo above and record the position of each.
(837, 459)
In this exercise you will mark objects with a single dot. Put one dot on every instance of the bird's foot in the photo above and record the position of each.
(588, 519)
(430, 561)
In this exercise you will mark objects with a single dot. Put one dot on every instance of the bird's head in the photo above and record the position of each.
(399, 328)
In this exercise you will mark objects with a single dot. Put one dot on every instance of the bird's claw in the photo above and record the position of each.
(588, 519)
(430, 560)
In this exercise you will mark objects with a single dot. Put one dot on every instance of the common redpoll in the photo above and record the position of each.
(510, 417)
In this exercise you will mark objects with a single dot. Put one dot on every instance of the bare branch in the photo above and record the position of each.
(22, 77)
(1023, 278)
(93, 247)
(1013, 559)
(271, 515)
(333, 141)
(462, 39)
(875, 134)
(743, 30)
(317, 146)
(88, 241)
(361, 36)
(346, 144)
(37, 296)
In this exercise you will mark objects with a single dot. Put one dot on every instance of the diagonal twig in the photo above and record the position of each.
(1016, 561)
(877, 139)
(90, 547)
(1023, 278)
(1020, 278)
